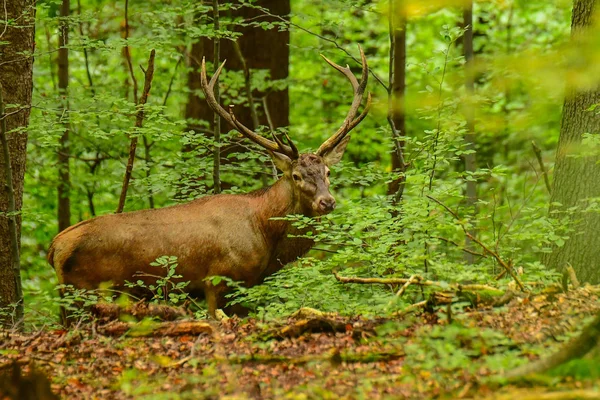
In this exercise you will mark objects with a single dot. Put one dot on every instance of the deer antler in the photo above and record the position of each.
(359, 89)
(208, 88)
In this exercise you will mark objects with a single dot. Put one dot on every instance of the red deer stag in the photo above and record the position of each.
(228, 235)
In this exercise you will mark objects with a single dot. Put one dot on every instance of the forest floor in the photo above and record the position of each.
(318, 356)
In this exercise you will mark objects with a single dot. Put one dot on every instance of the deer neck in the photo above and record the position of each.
(279, 201)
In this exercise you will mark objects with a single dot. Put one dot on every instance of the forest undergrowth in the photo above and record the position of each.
(456, 350)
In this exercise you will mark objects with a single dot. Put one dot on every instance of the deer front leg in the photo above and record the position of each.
(215, 298)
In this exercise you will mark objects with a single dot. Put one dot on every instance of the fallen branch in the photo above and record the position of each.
(486, 249)
(316, 325)
(139, 310)
(309, 320)
(576, 348)
(139, 121)
(410, 309)
(335, 357)
(417, 280)
(406, 285)
(435, 299)
(150, 328)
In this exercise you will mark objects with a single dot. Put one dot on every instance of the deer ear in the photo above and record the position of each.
(335, 155)
(282, 162)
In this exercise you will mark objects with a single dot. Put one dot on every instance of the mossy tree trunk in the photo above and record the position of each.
(577, 175)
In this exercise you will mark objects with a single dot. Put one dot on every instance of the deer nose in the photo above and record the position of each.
(327, 204)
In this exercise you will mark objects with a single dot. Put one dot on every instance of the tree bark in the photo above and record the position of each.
(16, 47)
(64, 179)
(470, 160)
(575, 174)
(397, 79)
(216, 118)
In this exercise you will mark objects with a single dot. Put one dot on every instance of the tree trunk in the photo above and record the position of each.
(470, 160)
(64, 180)
(16, 79)
(575, 174)
(253, 39)
(398, 88)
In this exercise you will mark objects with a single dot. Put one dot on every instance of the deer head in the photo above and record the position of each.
(307, 174)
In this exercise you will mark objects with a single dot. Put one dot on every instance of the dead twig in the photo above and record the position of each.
(139, 121)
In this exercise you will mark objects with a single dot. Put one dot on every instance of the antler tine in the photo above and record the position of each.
(359, 88)
(346, 71)
(292, 146)
(208, 89)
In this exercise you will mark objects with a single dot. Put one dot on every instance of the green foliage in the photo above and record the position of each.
(167, 287)
(520, 52)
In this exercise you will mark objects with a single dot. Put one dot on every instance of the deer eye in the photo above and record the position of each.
(328, 173)
(296, 176)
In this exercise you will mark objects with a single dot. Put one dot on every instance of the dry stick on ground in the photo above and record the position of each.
(417, 281)
(576, 348)
(411, 308)
(412, 279)
(174, 328)
(538, 155)
(139, 310)
(139, 121)
(485, 248)
(11, 214)
(406, 285)
(334, 356)
(435, 299)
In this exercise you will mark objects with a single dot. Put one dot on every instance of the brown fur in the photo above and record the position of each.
(229, 235)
